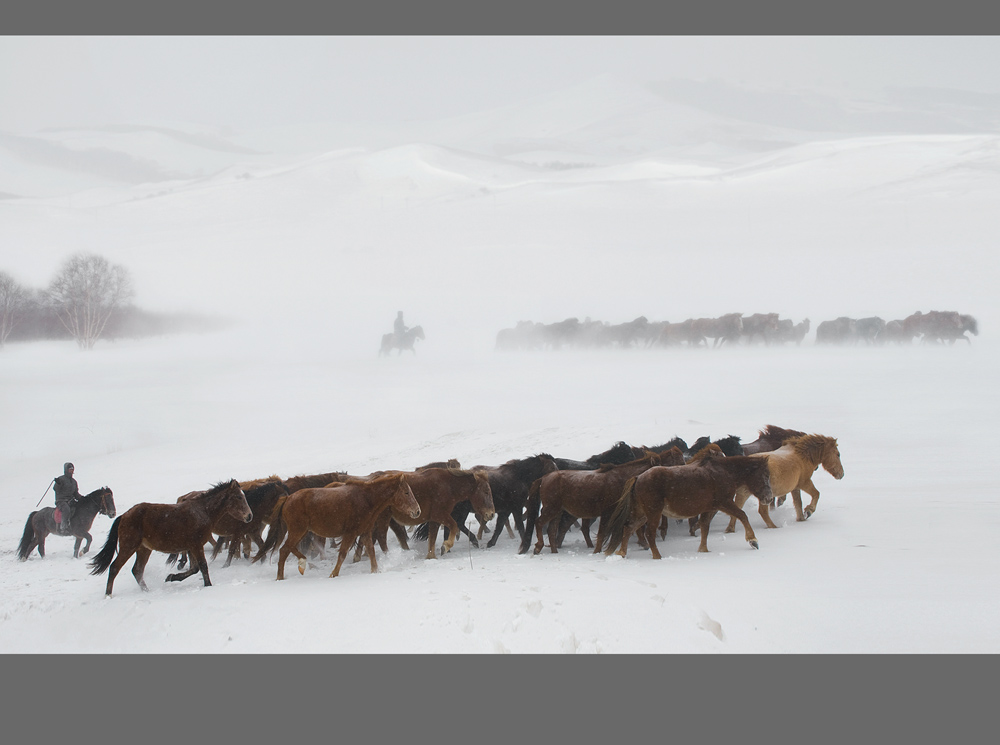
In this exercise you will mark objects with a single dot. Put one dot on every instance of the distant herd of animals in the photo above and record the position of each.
(735, 328)
(626, 490)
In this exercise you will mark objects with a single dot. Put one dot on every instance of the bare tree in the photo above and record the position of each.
(86, 292)
(14, 301)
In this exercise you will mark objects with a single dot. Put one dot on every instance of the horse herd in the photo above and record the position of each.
(625, 489)
(734, 328)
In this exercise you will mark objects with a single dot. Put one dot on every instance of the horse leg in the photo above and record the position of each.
(199, 555)
(400, 534)
(740, 500)
(585, 529)
(812, 491)
(142, 555)
(345, 545)
(732, 509)
(765, 512)
(704, 520)
(76, 547)
(40, 543)
(358, 551)
(370, 548)
(291, 545)
(116, 566)
(432, 533)
(449, 542)
(193, 567)
(501, 515)
(653, 520)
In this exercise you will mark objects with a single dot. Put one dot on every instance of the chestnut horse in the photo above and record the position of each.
(792, 466)
(43, 522)
(438, 491)
(583, 494)
(697, 489)
(171, 528)
(347, 511)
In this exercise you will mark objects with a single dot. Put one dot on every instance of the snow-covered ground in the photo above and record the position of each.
(314, 252)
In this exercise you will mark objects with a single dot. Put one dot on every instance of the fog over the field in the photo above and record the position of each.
(309, 188)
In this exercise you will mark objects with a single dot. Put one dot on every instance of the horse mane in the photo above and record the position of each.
(707, 453)
(771, 432)
(216, 488)
(811, 447)
(649, 457)
(254, 483)
(378, 480)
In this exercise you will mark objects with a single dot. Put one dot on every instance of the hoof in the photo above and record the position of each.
(753, 544)
(302, 566)
(808, 514)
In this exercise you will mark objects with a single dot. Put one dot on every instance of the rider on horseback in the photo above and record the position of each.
(398, 327)
(67, 492)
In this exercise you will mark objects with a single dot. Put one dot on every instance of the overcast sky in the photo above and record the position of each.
(260, 81)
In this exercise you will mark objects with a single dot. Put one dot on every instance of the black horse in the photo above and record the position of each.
(730, 446)
(262, 499)
(511, 481)
(509, 484)
(43, 522)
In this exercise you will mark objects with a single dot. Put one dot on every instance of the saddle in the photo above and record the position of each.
(58, 515)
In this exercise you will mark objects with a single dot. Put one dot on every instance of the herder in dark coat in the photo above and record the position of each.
(67, 491)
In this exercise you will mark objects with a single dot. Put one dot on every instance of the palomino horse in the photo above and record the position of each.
(583, 494)
(43, 522)
(346, 511)
(792, 466)
(770, 438)
(399, 343)
(171, 528)
(438, 491)
(697, 489)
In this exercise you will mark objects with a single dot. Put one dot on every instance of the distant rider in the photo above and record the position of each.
(398, 327)
(67, 492)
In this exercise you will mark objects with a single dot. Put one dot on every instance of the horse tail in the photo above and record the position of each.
(171, 558)
(275, 533)
(26, 539)
(421, 532)
(100, 563)
(534, 505)
(620, 516)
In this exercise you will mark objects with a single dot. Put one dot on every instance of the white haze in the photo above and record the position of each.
(607, 195)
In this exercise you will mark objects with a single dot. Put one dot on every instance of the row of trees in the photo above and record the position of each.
(88, 299)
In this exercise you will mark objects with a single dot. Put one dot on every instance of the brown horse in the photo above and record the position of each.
(583, 494)
(437, 491)
(171, 528)
(347, 511)
(792, 466)
(694, 490)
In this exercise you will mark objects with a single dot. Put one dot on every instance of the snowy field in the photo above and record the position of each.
(897, 558)
(312, 253)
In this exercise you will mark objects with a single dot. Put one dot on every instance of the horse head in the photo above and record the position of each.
(404, 501)
(831, 459)
(107, 502)
(237, 502)
(418, 332)
(482, 497)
